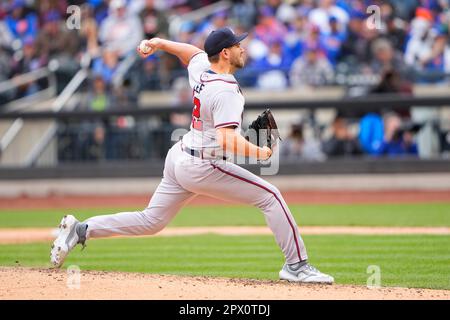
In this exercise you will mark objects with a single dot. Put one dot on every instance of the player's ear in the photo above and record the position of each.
(226, 53)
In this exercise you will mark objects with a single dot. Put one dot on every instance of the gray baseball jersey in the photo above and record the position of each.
(218, 102)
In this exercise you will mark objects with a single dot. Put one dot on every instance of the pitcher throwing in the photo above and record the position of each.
(197, 164)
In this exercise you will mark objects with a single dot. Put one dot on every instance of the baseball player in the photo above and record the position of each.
(197, 164)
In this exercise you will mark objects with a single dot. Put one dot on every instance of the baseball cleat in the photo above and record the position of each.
(71, 232)
(306, 274)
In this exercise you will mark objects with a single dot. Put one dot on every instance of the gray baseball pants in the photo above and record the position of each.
(185, 177)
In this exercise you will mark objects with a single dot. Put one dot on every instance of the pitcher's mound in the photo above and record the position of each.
(33, 283)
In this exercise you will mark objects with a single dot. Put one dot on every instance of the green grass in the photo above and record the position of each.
(436, 214)
(407, 261)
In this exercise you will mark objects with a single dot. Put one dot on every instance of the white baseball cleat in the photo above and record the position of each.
(306, 274)
(67, 239)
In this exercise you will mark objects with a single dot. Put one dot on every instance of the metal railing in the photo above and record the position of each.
(176, 21)
(57, 105)
(123, 69)
(18, 105)
(374, 102)
(26, 78)
(146, 137)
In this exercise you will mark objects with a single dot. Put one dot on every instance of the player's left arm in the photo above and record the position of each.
(233, 142)
(183, 51)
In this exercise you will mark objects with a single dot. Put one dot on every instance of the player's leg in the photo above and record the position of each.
(163, 206)
(167, 200)
(228, 181)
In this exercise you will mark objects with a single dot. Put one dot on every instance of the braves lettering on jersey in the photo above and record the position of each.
(218, 102)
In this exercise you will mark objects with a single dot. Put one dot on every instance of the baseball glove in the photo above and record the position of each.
(269, 134)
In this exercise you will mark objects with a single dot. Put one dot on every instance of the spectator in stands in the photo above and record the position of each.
(404, 9)
(89, 31)
(124, 96)
(307, 6)
(43, 7)
(273, 68)
(296, 148)
(21, 23)
(256, 49)
(154, 21)
(356, 47)
(342, 141)
(398, 140)
(419, 48)
(269, 28)
(395, 32)
(99, 98)
(245, 12)
(96, 150)
(101, 10)
(311, 69)
(332, 41)
(218, 20)
(58, 42)
(321, 15)
(384, 57)
(439, 59)
(6, 36)
(149, 77)
(5, 64)
(121, 31)
(283, 10)
(29, 61)
(296, 37)
(182, 96)
(371, 133)
(106, 65)
(314, 38)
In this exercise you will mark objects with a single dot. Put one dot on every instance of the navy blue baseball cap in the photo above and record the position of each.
(220, 39)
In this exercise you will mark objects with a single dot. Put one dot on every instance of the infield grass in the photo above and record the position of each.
(424, 214)
(406, 261)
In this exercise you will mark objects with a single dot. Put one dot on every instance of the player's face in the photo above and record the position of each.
(237, 57)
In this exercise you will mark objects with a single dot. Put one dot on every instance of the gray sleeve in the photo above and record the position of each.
(227, 108)
(198, 64)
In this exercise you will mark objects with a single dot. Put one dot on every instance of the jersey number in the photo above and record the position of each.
(196, 122)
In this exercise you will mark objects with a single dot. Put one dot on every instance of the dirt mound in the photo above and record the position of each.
(29, 235)
(28, 283)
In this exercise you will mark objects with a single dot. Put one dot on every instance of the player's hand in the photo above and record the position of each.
(265, 153)
(152, 45)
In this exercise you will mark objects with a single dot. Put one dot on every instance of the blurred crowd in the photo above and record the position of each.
(389, 134)
(325, 42)
(291, 43)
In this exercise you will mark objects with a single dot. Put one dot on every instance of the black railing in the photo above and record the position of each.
(92, 144)
(358, 105)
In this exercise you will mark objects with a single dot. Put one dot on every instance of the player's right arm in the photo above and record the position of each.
(183, 51)
(232, 142)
